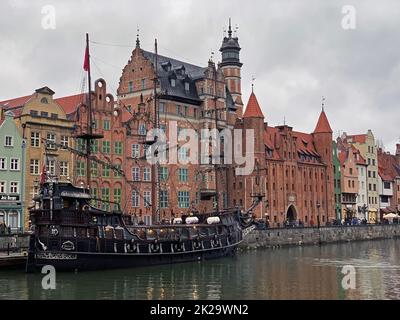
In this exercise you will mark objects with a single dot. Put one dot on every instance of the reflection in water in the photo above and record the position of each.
(289, 273)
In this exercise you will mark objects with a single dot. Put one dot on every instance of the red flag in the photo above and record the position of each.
(86, 61)
(43, 176)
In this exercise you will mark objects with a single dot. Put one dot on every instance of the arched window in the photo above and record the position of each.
(44, 100)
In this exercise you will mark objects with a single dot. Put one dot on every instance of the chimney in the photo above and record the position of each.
(398, 149)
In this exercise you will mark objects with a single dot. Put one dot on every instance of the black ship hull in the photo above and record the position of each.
(78, 261)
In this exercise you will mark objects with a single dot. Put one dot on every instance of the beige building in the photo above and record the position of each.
(365, 143)
(42, 122)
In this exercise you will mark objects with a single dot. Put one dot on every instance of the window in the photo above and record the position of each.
(135, 199)
(80, 169)
(143, 84)
(80, 144)
(117, 171)
(54, 116)
(64, 141)
(105, 196)
(374, 187)
(161, 107)
(183, 154)
(51, 140)
(117, 195)
(135, 174)
(135, 151)
(178, 109)
(373, 162)
(34, 113)
(187, 86)
(34, 166)
(173, 82)
(106, 147)
(14, 187)
(8, 141)
(44, 114)
(183, 199)
(183, 175)
(163, 173)
(14, 164)
(374, 174)
(106, 125)
(147, 198)
(13, 219)
(146, 174)
(63, 168)
(386, 185)
(95, 146)
(51, 167)
(163, 198)
(106, 171)
(118, 147)
(44, 100)
(3, 163)
(130, 86)
(142, 129)
(3, 186)
(94, 169)
(351, 170)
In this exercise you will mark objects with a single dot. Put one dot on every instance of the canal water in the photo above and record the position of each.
(310, 272)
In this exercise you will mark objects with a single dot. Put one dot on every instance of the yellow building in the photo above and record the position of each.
(42, 122)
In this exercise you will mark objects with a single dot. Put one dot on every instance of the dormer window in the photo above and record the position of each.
(187, 87)
(166, 66)
(173, 82)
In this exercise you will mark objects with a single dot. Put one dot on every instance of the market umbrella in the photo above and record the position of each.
(390, 216)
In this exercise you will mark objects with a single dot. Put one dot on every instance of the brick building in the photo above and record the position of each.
(293, 169)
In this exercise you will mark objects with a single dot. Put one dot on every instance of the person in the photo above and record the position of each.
(2, 228)
(9, 229)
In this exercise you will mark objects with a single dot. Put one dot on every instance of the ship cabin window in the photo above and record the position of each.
(194, 234)
(184, 233)
(213, 231)
(151, 234)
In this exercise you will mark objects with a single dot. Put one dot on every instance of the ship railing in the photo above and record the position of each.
(67, 217)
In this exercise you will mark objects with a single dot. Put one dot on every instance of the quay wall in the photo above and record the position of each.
(280, 237)
(14, 242)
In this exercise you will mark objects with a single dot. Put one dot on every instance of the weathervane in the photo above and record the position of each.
(323, 103)
(252, 83)
(137, 36)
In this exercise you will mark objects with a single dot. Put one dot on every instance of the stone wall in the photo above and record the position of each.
(16, 242)
(272, 238)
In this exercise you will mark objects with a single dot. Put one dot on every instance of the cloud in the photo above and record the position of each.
(297, 50)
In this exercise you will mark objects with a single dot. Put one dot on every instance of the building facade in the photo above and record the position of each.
(42, 122)
(12, 166)
(337, 178)
(365, 143)
(293, 169)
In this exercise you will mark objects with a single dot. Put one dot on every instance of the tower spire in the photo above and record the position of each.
(137, 38)
(323, 103)
(230, 29)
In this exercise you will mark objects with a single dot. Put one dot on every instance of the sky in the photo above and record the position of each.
(298, 51)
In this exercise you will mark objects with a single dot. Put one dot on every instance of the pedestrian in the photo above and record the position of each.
(9, 229)
(2, 229)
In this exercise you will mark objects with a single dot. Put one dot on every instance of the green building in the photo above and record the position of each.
(336, 182)
(12, 163)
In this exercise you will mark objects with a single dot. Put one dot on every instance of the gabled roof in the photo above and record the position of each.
(360, 138)
(15, 102)
(323, 125)
(253, 109)
(70, 103)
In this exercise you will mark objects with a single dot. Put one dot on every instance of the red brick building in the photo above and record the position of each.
(293, 169)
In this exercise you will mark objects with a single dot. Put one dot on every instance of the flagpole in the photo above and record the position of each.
(89, 118)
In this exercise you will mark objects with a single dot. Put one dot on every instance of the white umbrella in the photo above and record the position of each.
(390, 216)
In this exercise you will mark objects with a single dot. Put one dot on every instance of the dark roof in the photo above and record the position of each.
(179, 70)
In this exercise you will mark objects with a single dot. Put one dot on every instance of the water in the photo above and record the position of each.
(289, 273)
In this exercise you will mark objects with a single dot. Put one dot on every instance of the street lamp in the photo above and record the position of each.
(318, 220)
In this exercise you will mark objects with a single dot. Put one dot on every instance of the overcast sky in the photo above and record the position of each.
(297, 50)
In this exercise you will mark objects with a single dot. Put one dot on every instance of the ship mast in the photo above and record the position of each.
(155, 186)
(216, 142)
(89, 118)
